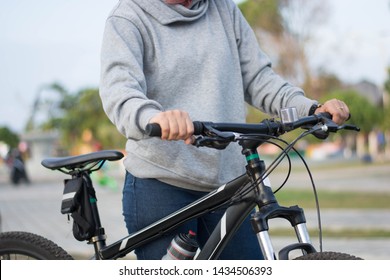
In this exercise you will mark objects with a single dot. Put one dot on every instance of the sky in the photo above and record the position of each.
(48, 41)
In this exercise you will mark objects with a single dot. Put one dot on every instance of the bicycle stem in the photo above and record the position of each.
(256, 170)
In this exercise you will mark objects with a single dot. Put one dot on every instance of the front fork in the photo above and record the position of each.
(270, 209)
(295, 216)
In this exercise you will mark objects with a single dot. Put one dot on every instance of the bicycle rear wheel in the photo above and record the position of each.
(17, 245)
(328, 256)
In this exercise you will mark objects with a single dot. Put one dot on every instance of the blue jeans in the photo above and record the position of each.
(148, 200)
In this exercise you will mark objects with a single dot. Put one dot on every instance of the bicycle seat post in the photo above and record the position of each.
(99, 238)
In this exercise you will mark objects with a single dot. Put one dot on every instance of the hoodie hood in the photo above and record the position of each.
(167, 14)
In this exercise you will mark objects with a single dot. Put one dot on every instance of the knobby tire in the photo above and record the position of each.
(17, 245)
(328, 256)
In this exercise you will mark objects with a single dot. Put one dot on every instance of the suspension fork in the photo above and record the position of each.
(269, 208)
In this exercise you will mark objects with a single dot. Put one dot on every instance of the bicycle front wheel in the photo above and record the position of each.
(17, 245)
(328, 256)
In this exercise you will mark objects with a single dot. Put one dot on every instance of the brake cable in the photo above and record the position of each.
(275, 164)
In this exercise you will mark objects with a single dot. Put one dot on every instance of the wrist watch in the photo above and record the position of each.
(313, 108)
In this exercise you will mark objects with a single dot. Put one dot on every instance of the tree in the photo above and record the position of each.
(9, 137)
(50, 104)
(74, 114)
(88, 114)
(263, 14)
(386, 105)
(322, 84)
(363, 114)
(284, 29)
(387, 82)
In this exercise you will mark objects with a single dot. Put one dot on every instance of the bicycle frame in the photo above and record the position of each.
(261, 195)
(239, 197)
(203, 205)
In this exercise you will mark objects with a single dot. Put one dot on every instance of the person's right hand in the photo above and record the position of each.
(337, 108)
(175, 125)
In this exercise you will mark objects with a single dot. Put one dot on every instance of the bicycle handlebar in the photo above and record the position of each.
(154, 129)
(266, 127)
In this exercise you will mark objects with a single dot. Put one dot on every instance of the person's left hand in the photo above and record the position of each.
(337, 108)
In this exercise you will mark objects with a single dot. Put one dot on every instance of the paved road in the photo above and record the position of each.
(36, 208)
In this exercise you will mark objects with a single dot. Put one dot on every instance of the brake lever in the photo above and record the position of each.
(350, 127)
(215, 139)
(211, 142)
(224, 135)
(322, 131)
(333, 127)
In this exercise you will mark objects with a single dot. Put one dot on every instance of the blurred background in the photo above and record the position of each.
(49, 78)
(50, 63)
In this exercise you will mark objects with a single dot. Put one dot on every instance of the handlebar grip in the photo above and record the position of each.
(329, 116)
(326, 115)
(154, 129)
(198, 128)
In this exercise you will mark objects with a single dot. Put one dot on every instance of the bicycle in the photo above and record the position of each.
(241, 195)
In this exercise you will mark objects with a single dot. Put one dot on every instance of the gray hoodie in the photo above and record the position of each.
(204, 60)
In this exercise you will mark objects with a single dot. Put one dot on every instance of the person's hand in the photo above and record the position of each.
(175, 125)
(337, 108)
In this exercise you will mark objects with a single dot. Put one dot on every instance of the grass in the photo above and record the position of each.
(333, 199)
(336, 233)
(336, 200)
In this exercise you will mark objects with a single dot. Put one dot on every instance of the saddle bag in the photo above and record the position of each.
(76, 203)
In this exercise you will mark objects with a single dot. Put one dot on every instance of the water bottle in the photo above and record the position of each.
(182, 247)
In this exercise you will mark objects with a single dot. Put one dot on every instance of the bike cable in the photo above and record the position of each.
(275, 164)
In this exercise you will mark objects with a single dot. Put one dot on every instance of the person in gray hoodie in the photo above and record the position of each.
(171, 62)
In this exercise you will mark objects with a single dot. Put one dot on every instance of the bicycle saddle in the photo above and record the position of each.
(80, 161)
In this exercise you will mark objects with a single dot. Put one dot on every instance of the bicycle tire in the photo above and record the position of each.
(328, 256)
(18, 245)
